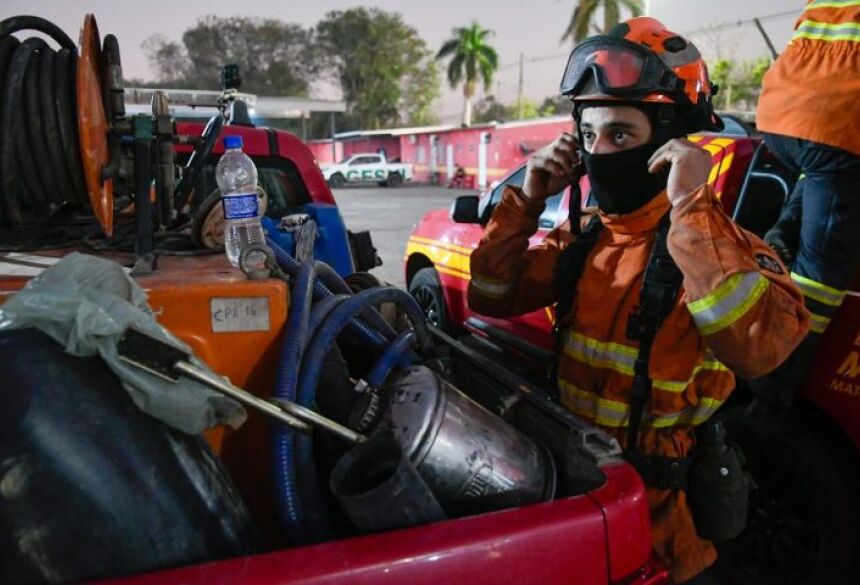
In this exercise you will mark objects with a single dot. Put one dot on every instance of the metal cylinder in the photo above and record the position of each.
(472, 460)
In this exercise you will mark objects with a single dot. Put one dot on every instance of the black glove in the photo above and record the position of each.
(784, 238)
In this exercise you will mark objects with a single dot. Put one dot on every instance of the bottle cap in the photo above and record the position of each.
(232, 142)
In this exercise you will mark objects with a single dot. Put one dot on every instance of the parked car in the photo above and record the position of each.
(367, 167)
(803, 522)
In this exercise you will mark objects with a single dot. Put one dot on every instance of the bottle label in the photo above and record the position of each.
(240, 206)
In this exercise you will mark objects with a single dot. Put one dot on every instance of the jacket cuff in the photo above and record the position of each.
(702, 199)
(514, 197)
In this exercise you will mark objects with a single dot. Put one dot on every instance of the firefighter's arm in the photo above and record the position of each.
(508, 277)
(740, 295)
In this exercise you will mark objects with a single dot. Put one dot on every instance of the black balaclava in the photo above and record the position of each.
(620, 181)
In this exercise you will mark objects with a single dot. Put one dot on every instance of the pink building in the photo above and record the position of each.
(486, 152)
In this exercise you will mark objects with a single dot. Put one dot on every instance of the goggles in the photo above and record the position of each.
(620, 68)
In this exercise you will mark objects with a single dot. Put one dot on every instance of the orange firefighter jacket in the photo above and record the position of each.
(813, 89)
(739, 311)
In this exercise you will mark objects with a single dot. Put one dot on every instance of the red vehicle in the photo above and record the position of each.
(804, 522)
(83, 491)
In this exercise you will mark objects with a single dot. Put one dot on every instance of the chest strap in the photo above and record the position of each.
(657, 299)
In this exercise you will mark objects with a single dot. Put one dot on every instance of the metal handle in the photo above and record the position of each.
(293, 415)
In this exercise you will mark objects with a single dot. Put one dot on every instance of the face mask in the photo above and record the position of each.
(620, 181)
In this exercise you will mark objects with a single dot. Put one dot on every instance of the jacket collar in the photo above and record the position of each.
(644, 219)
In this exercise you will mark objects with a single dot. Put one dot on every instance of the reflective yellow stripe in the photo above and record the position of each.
(823, 31)
(818, 323)
(620, 358)
(818, 291)
(729, 302)
(833, 4)
(616, 414)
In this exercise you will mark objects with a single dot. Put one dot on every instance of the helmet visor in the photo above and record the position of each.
(619, 68)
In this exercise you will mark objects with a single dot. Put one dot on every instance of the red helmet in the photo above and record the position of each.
(641, 61)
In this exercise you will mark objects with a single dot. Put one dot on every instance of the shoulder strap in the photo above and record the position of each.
(660, 289)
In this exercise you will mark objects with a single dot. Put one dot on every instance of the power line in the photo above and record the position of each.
(713, 28)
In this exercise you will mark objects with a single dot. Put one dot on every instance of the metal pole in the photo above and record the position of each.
(304, 126)
(770, 46)
(520, 91)
(291, 414)
(333, 145)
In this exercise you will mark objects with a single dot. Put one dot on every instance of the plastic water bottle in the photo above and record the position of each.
(237, 180)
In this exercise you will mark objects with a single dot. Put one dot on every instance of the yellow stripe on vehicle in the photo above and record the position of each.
(440, 257)
(818, 291)
(730, 302)
(441, 244)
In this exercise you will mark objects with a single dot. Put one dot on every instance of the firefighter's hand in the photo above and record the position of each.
(690, 167)
(552, 168)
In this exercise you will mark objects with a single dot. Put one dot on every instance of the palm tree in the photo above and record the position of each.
(471, 57)
(586, 10)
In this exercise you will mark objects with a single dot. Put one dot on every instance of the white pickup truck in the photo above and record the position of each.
(367, 167)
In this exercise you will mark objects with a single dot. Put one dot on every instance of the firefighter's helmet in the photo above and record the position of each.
(641, 61)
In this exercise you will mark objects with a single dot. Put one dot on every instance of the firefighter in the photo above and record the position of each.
(636, 93)
(809, 112)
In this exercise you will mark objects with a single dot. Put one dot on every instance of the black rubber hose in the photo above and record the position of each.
(19, 23)
(65, 104)
(35, 131)
(13, 133)
(7, 49)
(51, 125)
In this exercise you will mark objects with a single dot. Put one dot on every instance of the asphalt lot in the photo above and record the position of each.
(390, 215)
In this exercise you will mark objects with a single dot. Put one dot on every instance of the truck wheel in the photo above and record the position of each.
(336, 181)
(427, 290)
(804, 517)
(395, 179)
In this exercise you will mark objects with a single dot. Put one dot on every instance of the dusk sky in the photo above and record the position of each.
(532, 27)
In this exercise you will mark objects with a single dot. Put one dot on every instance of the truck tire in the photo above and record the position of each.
(395, 179)
(336, 181)
(804, 518)
(426, 288)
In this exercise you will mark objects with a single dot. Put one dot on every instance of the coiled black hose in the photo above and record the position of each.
(40, 159)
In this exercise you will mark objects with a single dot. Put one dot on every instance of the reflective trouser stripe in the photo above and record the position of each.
(818, 291)
(731, 301)
(823, 31)
(615, 414)
(620, 358)
(489, 287)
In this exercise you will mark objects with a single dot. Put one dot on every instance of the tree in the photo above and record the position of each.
(490, 110)
(586, 11)
(420, 94)
(381, 64)
(558, 105)
(471, 57)
(273, 56)
(739, 82)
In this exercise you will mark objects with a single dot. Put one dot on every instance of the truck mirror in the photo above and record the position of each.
(465, 209)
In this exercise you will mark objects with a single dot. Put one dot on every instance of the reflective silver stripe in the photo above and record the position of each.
(818, 291)
(810, 29)
(621, 358)
(729, 302)
(616, 414)
(818, 323)
(833, 4)
(490, 288)
(601, 354)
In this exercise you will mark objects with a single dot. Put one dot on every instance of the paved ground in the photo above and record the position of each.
(390, 215)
